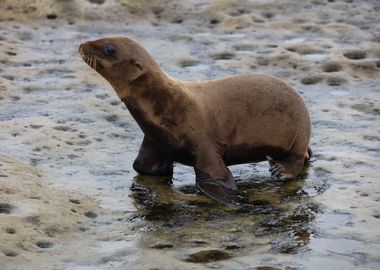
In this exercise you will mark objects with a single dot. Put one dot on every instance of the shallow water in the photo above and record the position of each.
(59, 116)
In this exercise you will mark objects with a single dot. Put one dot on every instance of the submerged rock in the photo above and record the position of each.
(205, 256)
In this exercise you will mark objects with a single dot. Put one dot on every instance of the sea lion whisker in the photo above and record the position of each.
(93, 62)
(90, 59)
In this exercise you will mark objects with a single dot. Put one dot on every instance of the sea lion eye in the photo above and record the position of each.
(110, 50)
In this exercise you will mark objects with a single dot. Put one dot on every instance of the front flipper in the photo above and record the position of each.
(220, 190)
(214, 179)
(151, 161)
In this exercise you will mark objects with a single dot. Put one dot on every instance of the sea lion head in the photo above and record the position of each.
(120, 60)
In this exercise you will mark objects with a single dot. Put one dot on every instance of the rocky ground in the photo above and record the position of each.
(69, 198)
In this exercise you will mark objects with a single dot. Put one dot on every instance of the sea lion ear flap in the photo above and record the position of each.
(136, 72)
(136, 64)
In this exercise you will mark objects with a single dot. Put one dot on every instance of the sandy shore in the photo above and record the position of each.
(69, 198)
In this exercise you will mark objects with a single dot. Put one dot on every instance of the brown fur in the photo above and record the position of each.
(207, 125)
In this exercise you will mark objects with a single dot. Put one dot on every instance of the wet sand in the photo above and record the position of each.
(69, 198)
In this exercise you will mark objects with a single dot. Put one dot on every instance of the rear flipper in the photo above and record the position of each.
(308, 155)
(286, 168)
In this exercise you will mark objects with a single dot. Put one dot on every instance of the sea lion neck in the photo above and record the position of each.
(157, 94)
(151, 78)
(153, 100)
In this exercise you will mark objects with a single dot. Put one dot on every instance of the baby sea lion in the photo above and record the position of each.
(208, 125)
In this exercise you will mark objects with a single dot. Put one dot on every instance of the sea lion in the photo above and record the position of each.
(208, 125)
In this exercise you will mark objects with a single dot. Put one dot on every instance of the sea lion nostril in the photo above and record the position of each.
(81, 48)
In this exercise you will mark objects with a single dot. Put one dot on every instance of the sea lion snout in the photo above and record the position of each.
(88, 55)
(82, 48)
(87, 49)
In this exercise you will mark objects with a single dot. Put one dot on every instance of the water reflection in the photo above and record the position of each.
(276, 214)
